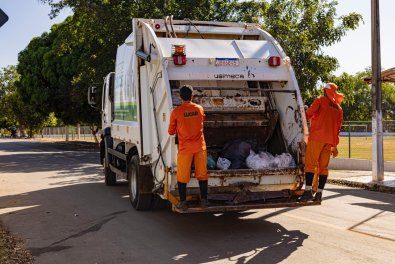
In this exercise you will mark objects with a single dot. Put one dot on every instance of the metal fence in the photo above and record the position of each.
(74, 133)
(356, 140)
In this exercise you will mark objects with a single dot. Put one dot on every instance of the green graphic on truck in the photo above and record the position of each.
(124, 91)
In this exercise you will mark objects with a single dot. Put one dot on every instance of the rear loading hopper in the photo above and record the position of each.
(240, 112)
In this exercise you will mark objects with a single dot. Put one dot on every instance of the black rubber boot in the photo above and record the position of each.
(182, 206)
(318, 197)
(321, 185)
(307, 196)
(322, 181)
(182, 191)
(309, 178)
(203, 185)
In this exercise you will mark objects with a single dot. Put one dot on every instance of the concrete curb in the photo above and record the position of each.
(357, 165)
(72, 145)
(91, 146)
(371, 186)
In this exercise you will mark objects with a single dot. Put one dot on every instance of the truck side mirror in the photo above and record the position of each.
(92, 90)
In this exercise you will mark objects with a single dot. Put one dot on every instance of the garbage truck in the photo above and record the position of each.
(247, 87)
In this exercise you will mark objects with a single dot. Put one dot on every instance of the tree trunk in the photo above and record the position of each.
(94, 133)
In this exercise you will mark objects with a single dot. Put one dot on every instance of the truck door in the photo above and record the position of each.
(108, 101)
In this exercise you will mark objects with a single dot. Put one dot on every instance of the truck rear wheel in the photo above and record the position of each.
(140, 185)
(110, 177)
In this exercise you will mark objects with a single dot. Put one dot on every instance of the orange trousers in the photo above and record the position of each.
(317, 157)
(184, 163)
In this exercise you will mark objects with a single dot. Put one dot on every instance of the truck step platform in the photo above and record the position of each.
(218, 208)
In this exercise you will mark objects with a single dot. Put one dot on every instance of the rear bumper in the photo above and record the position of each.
(194, 208)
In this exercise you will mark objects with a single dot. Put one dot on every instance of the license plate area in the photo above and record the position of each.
(231, 62)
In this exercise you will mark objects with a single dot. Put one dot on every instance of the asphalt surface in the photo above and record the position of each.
(54, 198)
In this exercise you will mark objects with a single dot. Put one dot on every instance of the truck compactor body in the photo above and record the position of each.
(247, 87)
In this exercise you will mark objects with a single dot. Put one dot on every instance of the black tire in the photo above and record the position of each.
(140, 185)
(102, 151)
(158, 203)
(110, 177)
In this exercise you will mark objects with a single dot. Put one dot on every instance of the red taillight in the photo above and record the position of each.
(180, 59)
(274, 61)
(157, 26)
(179, 54)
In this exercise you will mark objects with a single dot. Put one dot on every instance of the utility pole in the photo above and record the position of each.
(377, 115)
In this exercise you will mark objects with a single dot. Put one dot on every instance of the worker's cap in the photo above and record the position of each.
(332, 93)
(330, 86)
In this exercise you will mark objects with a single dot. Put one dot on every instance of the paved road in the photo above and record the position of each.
(55, 200)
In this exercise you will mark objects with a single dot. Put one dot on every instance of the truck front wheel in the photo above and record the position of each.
(140, 184)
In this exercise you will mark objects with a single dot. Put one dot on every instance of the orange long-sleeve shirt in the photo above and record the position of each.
(187, 121)
(326, 120)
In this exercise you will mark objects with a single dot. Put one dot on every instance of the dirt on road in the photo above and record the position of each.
(12, 250)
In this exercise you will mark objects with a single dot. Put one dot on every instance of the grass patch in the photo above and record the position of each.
(12, 250)
(361, 148)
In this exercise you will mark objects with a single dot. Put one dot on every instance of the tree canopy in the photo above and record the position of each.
(58, 66)
(304, 28)
(358, 102)
(15, 112)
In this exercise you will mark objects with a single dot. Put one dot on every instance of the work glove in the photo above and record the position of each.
(334, 152)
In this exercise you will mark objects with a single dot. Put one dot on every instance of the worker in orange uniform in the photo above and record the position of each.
(187, 121)
(326, 116)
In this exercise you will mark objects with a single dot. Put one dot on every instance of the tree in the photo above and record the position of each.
(49, 69)
(303, 28)
(357, 105)
(7, 88)
(80, 51)
(358, 102)
(14, 110)
(388, 103)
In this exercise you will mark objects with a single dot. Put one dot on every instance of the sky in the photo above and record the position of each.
(26, 19)
(29, 18)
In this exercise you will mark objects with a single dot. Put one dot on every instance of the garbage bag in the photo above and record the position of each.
(211, 164)
(267, 156)
(267, 160)
(237, 151)
(223, 163)
(258, 161)
(284, 160)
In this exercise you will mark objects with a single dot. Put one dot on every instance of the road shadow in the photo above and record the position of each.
(380, 201)
(30, 157)
(14, 145)
(54, 221)
(80, 220)
(230, 238)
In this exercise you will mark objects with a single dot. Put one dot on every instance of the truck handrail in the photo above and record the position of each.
(159, 147)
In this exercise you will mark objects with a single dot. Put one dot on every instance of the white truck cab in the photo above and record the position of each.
(247, 87)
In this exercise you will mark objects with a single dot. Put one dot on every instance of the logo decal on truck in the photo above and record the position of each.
(229, 76)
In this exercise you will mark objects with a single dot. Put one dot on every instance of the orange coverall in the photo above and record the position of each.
(326, 119)
(187, 121)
